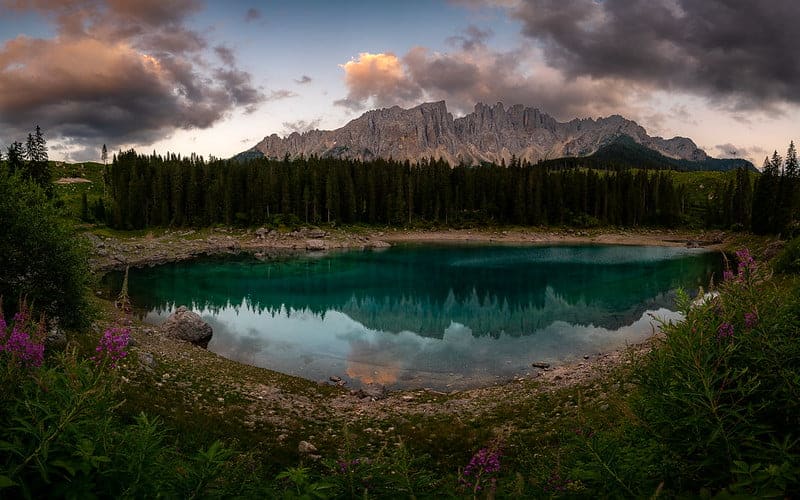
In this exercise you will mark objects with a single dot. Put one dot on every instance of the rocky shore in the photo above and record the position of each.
(112, 253)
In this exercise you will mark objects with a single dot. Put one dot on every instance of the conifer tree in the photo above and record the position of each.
(84, 207)
(37, 168)
(765, 198)
(15, 157)
(790, 191)
(776, 164)
(792, 169)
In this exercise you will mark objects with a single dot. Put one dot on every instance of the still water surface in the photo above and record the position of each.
(439, 316)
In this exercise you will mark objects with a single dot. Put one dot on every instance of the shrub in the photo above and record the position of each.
(40, 256)
(721, 390)
(63, 438)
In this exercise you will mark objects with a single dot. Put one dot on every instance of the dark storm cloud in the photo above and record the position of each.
(119, 71)
(252, 14)
(735, 52)
(153, 12)
(471, 38)
(239, 87)
(225, 55)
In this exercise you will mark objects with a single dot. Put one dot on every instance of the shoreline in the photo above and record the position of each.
(268, 392)
(266, 401)
(110, 253)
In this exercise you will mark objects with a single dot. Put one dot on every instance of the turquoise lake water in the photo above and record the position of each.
(438, 316)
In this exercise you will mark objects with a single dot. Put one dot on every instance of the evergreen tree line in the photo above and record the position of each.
(776, 196)
(154, 190)
(31, 160)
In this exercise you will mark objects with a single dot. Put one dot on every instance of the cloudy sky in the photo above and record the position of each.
(215, 77)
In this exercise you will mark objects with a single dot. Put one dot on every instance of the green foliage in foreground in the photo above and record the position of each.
(63, 438)
(41, 258)
(721, 391)
(714, 410)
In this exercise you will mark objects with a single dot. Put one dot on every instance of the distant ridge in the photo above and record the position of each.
(490, 134)
(624, 152)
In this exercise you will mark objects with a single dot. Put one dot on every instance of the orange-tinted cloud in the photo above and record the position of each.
(118, 72)
(380, 77)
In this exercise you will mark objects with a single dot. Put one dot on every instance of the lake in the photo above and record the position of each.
(439, 316)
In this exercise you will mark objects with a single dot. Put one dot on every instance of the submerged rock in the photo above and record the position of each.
(186, 325)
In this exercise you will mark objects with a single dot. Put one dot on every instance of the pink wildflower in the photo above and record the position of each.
(746, 263)
(750, 320)
(725, 330)
(20, 344)
(112, 345)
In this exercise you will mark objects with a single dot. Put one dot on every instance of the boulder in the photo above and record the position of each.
(316, 234)
(56, 339)
(147, 361)
(315, 245)
(371, 391)
(186, 325)
(308, 450)
(304, 447)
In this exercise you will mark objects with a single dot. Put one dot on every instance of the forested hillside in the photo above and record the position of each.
(151, 191)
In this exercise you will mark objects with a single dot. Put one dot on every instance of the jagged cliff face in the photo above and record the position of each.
(490, 133)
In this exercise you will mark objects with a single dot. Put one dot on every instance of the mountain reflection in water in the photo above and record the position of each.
(432, 316)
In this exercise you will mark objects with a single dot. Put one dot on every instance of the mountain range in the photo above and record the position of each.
(490, 134)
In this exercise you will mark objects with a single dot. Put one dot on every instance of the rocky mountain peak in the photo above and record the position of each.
(490, 133)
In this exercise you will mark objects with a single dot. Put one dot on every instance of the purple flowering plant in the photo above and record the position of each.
(750, 320)
(114, 343)
(746, 268)
(725, 331)
(481, 471)
(739, 294)
(113, 346)
(24, 344)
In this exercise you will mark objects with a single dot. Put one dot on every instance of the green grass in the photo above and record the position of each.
(70, 194)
